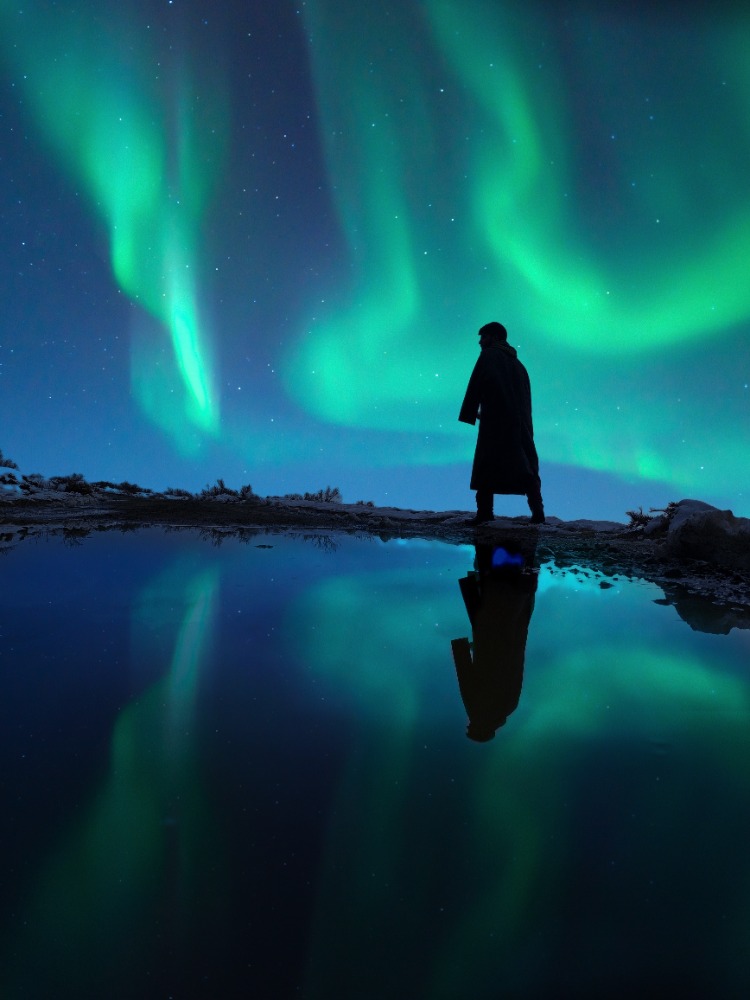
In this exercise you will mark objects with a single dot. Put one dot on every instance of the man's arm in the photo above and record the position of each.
(526, 397)
(470, 406)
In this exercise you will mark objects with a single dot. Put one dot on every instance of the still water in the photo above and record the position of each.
(243, 770)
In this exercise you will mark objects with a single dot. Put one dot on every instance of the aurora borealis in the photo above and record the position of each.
(258, 245)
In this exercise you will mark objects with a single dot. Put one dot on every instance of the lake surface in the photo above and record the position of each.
(243, 770)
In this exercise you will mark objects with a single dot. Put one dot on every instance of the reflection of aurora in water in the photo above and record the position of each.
(288, 796)
(146, 829)
(578, 793)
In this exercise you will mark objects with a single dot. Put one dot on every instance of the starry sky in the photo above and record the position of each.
(256, 241)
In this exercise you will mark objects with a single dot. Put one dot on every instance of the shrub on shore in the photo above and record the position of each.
(327, 495)
(220, 489)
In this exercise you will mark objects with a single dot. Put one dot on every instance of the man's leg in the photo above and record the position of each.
(534, 497)
(485, 505)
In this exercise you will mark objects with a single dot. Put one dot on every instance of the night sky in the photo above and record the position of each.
(256, 241)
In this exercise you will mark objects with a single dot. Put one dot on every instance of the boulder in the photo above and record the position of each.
(699, 531)
(686, 509)
(656, 525)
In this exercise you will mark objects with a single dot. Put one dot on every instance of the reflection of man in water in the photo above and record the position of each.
(499, 598)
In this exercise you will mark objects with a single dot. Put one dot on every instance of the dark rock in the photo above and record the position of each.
(656, 526)
(699, 531)
(685, 510)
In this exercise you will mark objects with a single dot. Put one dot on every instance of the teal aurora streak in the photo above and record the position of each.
(146, 150)
(596, 203)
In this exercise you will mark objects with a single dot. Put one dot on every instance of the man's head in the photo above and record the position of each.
(492, 333)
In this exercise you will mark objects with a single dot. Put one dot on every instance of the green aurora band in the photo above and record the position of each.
(483, 168)
(146, 150)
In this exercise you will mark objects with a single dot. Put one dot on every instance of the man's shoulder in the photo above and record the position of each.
(502, 359)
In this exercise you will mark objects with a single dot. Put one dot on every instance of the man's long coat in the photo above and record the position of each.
(499, 394)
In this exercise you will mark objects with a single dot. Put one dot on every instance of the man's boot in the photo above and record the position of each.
(534, 497)
(485, 503)
(537, 514)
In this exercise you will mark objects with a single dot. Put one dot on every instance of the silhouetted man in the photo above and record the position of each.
(499, 394)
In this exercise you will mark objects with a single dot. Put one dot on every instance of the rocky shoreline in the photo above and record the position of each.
(695, 549)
